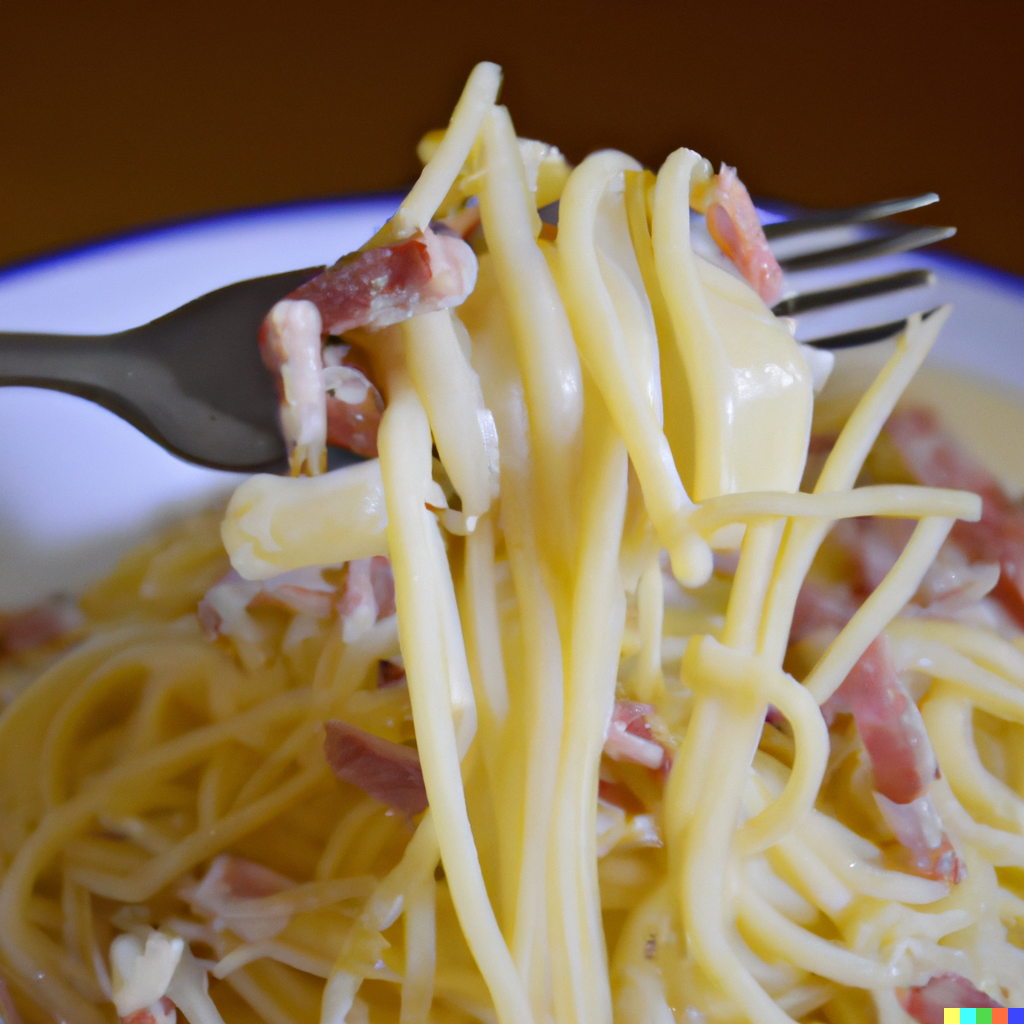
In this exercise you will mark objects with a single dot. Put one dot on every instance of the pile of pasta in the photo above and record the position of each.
(630, 805)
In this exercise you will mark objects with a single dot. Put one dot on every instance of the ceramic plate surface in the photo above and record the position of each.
(78, 486)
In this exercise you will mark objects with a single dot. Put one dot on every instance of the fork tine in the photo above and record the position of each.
(886, 245)
(821, 219)
(804, 301)
(864, 335)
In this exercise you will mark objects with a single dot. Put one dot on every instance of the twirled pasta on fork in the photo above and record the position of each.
(587, 697)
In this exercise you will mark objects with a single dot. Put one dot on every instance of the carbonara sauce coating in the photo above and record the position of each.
(611, 690)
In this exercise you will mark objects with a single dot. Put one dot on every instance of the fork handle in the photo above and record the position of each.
(101, 368)
(75, 364)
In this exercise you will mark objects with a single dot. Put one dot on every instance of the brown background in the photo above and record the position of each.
(114, 115)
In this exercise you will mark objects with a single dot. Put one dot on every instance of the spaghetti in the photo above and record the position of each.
(580, 610)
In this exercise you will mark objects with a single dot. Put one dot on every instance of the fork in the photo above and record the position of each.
(903, 239)
(194, 382)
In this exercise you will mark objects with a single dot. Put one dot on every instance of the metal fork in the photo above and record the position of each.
(194, 382)
(885, 243)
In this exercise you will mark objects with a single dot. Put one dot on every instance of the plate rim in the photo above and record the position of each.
(150, 230)
(297, 215)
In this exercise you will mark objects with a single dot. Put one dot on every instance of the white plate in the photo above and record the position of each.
(78, 486)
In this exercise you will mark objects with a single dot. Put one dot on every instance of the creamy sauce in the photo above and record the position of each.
(986, 416)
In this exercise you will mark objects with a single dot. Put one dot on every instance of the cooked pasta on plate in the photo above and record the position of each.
(608, 686)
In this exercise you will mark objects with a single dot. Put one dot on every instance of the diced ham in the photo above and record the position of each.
(389, 772)
(153, 972)
(630, 737)
(223, 608)
(631, 740)
(303, 591)
(354, 409)
(227, 892)
(38, 626)
(889, 723)
(241, 879)
(733, 224)
(926, 1003)
(389, 673)
(160, 1012)
(935, 458)
(918, 829)
(873, 544)
(290, 343)
(951, 583)
(902, 759)
(368, 595)
(374, 288)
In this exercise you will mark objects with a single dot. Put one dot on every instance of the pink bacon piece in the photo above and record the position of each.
(368, 596)
(733, 224)
(387, 771)
(378, 287)
(38, 626)
(241, 879)
(161, 1012)
(950, 585)
(926, 1003)
(918, 829)
(290, 344)
(889, 724)
(372, 289)
(902, 759)
(228, 893)
(935, 458)
(873, 545)
(222, 611)
(631, 739)
(354, 410)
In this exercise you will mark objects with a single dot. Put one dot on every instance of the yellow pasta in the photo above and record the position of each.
(561, 458)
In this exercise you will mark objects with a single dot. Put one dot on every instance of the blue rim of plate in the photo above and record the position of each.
(172, 225)
(778, 210)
